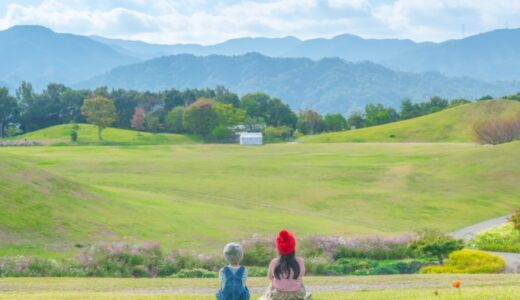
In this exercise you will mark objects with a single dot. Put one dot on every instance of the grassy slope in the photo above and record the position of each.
(200, 196)
(451, 125)
(474, 287)
(87, 134)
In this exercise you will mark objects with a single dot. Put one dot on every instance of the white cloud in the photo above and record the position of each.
(205, 21)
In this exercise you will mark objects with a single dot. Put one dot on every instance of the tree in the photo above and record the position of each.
(228, 115)
(138, 120)
(432, 242)
(409, 110)
(8, 110)
(377, 114)
(152, 123)
(277, 133)
(271, 110)
(310, 122)
(335, 122)
(200, 118)
(174, 120)
(356, 120)
(515, 219)
(99, 111)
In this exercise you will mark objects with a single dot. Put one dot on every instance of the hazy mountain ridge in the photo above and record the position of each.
(39, 55)
(327, 85)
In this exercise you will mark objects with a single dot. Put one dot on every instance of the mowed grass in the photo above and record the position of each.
(88, 135)
(368, 287)
(451, 125)
(200, 196)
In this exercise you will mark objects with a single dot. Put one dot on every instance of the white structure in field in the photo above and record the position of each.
(251, 138)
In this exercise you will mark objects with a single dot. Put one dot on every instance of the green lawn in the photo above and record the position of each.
(451, 125)
(369, 287)
(201, 196)
(88, 135)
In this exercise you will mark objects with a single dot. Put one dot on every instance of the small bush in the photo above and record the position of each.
(375, 248)
(498, 131)
(432, 242)
(504, 238)
(195, 273)
(258, 251)
(515, 220)
(468, 261)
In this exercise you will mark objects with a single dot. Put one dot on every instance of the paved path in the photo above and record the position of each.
(512, 259)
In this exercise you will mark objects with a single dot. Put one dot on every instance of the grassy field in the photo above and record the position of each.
(201, 196)
(451, 125)
(88, 135)
(369, 287)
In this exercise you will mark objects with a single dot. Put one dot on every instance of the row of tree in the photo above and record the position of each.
(213, 114)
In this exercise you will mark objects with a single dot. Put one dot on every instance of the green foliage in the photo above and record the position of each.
(99, 111)
(504, 238)
(228, 115)
(274, 134)
(271, 110)
(200, 117)
(335, 122)
(310, 122)
(195, 273)
(377, 114)
(74, 133)
(356, 120)
(468, 261)
(257, 271)
(357, 266)
(174, 120)
(8, 110)
(432, 242)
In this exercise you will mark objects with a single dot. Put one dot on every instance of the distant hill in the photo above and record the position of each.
(450, 125)
(40, 56)
(327, 85)
(489, 56)
(347, 46)
(87, 135)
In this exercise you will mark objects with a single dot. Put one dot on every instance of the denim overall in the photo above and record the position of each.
(233, 289)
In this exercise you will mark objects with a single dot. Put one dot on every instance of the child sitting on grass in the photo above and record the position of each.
(286, 271)
(233, 277)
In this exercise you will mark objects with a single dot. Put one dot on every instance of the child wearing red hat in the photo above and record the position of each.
(286, 271)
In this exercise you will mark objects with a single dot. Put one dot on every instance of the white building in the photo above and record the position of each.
(251, 138)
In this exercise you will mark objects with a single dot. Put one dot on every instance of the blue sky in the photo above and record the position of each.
(207, 22)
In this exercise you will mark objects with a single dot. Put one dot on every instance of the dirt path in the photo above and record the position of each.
(512, 259)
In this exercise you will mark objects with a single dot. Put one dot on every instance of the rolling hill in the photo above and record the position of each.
(88, 135)
(199, 197)
(450, 125)
(327, 85)
(38, 55)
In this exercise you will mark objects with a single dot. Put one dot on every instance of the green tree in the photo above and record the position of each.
(8, 110)
(335, 122)
(377, 114)
(99, 111)
(273, 134)
(409, 110)
(200, 118)
(271, 110)
(228, 115)
(432, 242)
(174, 120)
(515, 219)
(310, 122)
(356, 120)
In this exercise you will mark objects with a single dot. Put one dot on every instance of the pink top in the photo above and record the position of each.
(284, 284)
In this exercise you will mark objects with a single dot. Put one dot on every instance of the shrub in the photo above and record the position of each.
(375, 247)
(318, 266)
(257, 271)
(503, 238)
(432, 242)
(320, 246)
(498, 131)
(258, 251)
(515, 219)
(195, 273)
(469, 261)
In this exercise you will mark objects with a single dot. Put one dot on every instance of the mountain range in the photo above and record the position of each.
(340, 73)
(327, 85)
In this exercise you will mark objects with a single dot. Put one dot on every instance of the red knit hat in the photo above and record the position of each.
(285, 242)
